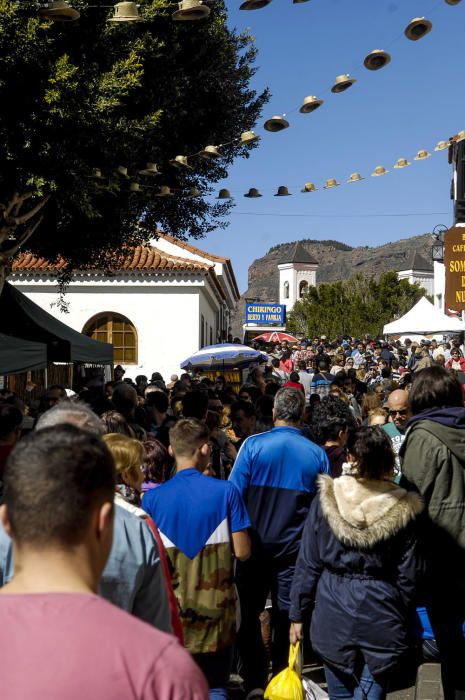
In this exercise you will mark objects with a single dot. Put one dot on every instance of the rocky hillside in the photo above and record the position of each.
(337, 261)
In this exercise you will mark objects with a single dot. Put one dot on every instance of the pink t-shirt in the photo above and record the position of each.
(73, 646)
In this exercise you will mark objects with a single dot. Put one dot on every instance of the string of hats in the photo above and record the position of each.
(62, 11)
(332, 183)
(375, 60)
(151, 170)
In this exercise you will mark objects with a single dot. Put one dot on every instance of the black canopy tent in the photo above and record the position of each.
(19, 355)
(25, 324)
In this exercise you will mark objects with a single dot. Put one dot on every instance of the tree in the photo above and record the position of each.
(362, 304)
(90, 94)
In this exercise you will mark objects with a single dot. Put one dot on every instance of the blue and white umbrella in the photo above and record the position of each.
(224, 356)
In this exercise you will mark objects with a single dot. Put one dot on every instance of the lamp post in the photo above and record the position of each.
(437, 249)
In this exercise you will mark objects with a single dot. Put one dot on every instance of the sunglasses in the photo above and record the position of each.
(398, 413)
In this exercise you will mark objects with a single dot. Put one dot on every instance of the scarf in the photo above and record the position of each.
(129, 494)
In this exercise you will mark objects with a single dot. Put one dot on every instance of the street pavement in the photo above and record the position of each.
(426, 687)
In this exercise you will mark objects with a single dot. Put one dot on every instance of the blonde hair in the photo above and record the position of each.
(377, 413)
(128, 454)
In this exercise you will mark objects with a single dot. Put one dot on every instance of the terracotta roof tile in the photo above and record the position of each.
(191, 248)
(143, 258)
(202, 253)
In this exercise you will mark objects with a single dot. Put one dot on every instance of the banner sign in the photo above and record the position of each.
(454, 262)
(265, 313)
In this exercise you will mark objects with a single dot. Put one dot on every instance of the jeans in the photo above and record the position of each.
(216, 667)
(255, 579)
(360, 686)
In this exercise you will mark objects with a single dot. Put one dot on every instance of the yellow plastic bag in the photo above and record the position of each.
(287, 684)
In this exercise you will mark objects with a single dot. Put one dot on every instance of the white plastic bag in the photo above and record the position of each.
(312, 690)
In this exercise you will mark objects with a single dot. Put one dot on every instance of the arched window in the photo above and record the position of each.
(303, 288)
(286, 290)
(119, 332)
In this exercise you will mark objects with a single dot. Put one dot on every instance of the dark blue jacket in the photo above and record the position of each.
(358, 565)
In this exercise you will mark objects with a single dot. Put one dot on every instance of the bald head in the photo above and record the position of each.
(399, 411)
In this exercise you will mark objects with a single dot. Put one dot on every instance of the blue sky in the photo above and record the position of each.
(415, 101)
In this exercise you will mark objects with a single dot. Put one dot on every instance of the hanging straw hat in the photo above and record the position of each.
(249, 136)
(180, 162)
(441, 145)
(331, 183)
(343, 82)
(59, 11)
(253, 193)
(355, 177)
(276, 123)
(210, 152)
(418, 28)
(422, 155)
(254, 4)
(308, 187)
(379, 170)
(190, 10)
(97, 174)
(282, 192)
(125, 12)
(309, 104)
(401, 163)
(165, 191)
(224, 194)
(193, 192)
(460, 136)
(376, 59)
(121, 171)
(150, 170)
(134, 187)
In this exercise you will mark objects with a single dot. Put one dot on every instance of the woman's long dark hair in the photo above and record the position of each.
(434, 387)
(372, 450)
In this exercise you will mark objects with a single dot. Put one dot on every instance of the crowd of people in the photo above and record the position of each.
(323, 498)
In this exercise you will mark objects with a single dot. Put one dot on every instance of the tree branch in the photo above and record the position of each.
(23, 199)
(10, 206)
(9, 253)
(19, 220)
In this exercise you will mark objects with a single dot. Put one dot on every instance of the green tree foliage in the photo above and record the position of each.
(92, 94)
(359, 305)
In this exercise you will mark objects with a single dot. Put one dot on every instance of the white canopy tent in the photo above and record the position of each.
(424, 318)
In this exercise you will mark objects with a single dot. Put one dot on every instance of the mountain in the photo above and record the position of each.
(336, 261)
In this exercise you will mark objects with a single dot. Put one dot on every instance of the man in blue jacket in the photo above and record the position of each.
(275, 473)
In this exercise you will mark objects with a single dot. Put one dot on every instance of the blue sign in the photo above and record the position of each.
(265, 313)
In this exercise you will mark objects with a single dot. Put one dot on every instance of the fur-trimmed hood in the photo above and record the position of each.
(363, 512)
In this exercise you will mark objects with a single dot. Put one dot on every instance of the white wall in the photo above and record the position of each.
(286, 274)
(166, 315)
(294, 274)
(425, 280)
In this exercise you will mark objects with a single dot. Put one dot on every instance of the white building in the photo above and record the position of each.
(418, 269)
(297, 272)
(162, 302)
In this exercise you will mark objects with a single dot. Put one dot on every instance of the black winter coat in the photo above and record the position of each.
(358, 564)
